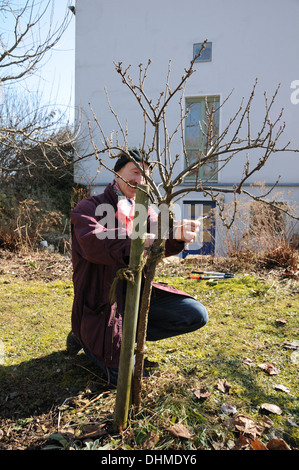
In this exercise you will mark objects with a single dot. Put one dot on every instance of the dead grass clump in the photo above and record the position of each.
(263, 235)
(24, 224)
(283, 256)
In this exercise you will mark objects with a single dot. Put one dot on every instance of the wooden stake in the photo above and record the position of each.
(126, 362)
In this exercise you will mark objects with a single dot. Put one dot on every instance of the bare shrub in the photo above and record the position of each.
(273, 233)
(261, 234)
(23, 226)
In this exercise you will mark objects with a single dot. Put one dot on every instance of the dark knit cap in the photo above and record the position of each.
(123, 159)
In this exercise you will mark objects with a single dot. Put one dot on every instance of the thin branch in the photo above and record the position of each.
(26, 56)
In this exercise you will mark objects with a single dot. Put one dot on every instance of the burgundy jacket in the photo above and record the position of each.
(96, 322)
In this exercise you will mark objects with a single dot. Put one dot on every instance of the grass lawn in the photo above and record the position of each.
(231, 385)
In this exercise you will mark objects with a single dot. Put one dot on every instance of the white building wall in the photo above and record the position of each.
(257, 39)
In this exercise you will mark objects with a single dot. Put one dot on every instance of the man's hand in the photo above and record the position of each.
(186, 230)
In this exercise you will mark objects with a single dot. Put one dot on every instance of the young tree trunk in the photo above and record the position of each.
(156, 254)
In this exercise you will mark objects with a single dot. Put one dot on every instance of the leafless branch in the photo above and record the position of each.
(237, 140)
(24, 48)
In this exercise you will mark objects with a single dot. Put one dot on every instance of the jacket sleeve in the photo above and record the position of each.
(94, 241)
(172, 246)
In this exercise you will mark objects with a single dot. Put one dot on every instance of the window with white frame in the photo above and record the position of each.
(201, 132)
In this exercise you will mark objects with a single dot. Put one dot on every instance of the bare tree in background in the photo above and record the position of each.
(31, 136)
(217, 151)
(36, 141)
(27, 39)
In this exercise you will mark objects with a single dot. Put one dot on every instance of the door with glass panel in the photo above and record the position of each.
(204, 243)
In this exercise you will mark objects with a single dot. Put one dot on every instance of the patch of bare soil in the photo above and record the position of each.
(36, 265)
(46, 266)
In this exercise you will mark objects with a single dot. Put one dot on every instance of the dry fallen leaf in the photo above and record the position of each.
(267, 422)
(247, 426)
(282, 388)
(291, 345)
(255, 444)
(92, 431)
(150, 440)
(201, 393)
(292, 421)
(277, 444)
(271, 408)
(242, 443)
(271, 369)
(294, 358)
(228, 409)
(68, 432)
(281, 321)
(247, 361)
(223, 386)
(179, 430)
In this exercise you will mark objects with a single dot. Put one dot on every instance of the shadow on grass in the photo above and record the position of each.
(37, 386)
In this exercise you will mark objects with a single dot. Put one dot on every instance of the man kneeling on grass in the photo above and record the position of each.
(98, 251)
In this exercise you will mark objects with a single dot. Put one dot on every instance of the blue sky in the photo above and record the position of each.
(55, 77)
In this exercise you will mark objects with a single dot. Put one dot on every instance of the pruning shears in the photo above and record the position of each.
(205, 275)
